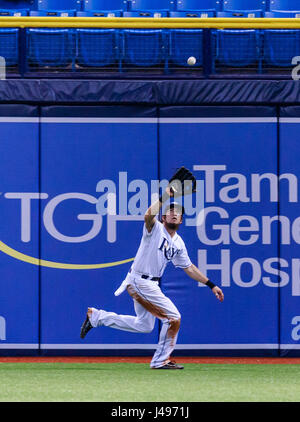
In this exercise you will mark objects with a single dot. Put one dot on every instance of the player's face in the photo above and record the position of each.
(173, 217)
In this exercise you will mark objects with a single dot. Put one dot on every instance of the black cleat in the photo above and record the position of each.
(171, 365)
(86, 327)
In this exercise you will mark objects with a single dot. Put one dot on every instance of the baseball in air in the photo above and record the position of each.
(191, 61)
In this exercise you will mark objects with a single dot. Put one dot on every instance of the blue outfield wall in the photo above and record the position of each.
(289, 149)
(59, 255)
(225, 146)
(19, 175)
(79, 149)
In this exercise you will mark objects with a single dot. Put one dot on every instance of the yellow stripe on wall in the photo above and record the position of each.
(41, 262)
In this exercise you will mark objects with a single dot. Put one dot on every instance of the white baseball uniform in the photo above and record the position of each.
(156, 249)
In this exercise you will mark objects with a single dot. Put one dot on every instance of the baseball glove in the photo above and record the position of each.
(182, 183)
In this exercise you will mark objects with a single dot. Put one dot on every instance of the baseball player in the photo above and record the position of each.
(160, 244)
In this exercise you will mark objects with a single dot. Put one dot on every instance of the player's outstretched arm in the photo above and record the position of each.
(194, 272)
(182, 182)
(154, 209)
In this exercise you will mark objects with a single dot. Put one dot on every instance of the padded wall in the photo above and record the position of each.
(289, 148)
(19, 228)
(58, 256)
(226, 147)
(81, 146)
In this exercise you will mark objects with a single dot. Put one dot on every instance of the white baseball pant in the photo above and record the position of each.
(149, 303)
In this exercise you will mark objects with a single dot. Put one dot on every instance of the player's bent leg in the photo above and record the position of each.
(143, 322)
(150, 297)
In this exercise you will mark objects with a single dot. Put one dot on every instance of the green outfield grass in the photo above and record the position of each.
(121, 382)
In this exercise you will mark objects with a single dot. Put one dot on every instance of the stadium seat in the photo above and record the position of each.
(14, 12)
(284, 9)
(54, 8)
(152, 5)
(144, 47)
(204, 6)
(9, 45)
(241, 14)
(193, 14)
(146, 14)
(103, 8)
(283, 14)
(97, 47)
(59, 5)
(9, 38)
(238, 48)
(61, 13)
(100, 13)
(185, 43)
(280, 46)
(50, 47)
(243, 8)
(284, 5)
